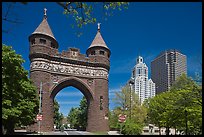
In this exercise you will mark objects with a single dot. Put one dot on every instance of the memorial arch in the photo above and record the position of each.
(55, 71)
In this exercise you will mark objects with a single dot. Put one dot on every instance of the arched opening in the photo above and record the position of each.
(76, 84)
(72, 113)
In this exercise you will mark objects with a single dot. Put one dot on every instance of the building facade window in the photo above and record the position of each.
(52, 45)
(33, 41)
(102, 52)
(42, 41)
(101, 102)
(93, 53)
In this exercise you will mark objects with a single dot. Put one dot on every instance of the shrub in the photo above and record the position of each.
(130, 128)
(62, 128)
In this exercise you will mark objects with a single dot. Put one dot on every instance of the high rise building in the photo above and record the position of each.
(141, 85)
(166, 67)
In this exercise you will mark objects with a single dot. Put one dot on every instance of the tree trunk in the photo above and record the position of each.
(10, 125)
(10, 129)
(167, 130)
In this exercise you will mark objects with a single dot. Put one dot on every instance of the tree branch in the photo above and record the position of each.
(82, 12)
(63, 5)
(11, 21)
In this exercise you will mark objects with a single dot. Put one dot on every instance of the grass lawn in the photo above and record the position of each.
(99, 133)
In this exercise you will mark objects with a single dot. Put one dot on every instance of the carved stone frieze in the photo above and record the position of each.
(69, 69)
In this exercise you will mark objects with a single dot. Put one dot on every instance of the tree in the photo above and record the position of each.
(126, 99)
(83, 111)
(19, 98)
(179, 108)
(81, 12)
(113, 118)
(190, 99)
(128, 104)
(131, 128)
(77, 117)
(73, 118)
(57, 115)
(155, 111)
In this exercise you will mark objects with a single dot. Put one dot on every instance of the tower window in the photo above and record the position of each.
(93, 53)
(42, 41)
(52, 45)
(108, 55)
(101, 102)
(102, 52)
(33, 41)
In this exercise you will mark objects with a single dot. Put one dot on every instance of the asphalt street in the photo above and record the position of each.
(67, 132)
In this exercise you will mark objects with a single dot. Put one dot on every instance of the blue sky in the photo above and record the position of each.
(145, 28)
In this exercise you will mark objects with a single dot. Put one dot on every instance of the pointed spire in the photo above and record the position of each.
(44, 27)
(45, 13)
(99, 26)
(139, 60)
(98, 40)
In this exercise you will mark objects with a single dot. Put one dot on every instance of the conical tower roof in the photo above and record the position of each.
(44, 27)
(98, 40)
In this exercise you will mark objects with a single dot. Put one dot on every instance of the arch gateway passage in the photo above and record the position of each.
(55, 71)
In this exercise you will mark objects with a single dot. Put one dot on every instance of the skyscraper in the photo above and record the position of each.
(166, 67)
(141, 85)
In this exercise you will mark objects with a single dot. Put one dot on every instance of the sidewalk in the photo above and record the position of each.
(24, 132)
(113, 133)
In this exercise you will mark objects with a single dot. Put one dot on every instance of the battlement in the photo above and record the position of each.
(72, 55)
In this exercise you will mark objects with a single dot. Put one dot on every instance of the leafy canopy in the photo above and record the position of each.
(19, 98)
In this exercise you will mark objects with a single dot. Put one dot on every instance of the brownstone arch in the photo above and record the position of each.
(88, 73)
(75, 82)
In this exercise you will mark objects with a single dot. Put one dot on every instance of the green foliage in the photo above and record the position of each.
(65, 126)
(77, 117)
(58, 117)
(136, 113)
(122, 98)
(19, 98)
(131, 128)
(180, 106)
(100, 133)
(62, 128)
(83, 111)
(113, 119)
(83, 12)
(183, 83)
(73, 118)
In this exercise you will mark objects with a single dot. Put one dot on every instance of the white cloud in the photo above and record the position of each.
(112, 93)
(69, 102)
(69, 94)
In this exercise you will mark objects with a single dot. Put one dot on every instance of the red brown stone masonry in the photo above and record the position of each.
(94, 88)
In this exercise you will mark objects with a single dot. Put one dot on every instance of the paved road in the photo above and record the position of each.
(75, 133)
(68, 132)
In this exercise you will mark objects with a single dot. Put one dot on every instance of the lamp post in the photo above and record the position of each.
(131, 82)
(40, 105)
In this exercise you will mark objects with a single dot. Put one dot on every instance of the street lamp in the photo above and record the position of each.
(40, 106)
(130, 82)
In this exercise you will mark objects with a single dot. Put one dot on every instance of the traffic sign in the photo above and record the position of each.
(39, 117)
(122, 118)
